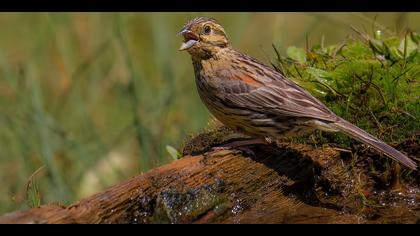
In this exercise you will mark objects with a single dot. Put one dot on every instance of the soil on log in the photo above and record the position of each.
(277, 183)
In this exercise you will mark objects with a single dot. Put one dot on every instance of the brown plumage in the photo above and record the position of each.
(256, 100)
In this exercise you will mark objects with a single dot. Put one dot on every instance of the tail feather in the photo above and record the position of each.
(361, 135)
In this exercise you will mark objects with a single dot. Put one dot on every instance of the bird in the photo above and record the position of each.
(255, 99)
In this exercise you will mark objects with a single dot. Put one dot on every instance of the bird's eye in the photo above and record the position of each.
(207, 29)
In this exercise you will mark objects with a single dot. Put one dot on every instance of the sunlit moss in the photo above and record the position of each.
(370, 82)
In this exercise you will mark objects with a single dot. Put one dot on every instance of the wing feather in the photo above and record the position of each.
(277, 96)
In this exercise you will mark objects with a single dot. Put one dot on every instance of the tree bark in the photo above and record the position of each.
(284, 183)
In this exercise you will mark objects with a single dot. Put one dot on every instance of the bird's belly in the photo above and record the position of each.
(240, 123)
(245, 121)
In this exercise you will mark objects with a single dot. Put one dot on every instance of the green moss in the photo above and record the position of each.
(371, 82)
(356, 50)
(180, 206)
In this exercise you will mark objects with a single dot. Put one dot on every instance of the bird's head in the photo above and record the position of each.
(203, 37)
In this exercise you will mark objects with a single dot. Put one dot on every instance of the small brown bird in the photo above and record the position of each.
(254, 99)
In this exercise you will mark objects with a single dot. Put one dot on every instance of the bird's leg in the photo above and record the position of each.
(240, 145)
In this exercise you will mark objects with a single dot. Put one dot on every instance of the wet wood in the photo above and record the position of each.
(289, 183)
(220, 187)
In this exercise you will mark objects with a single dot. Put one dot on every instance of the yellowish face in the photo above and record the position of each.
(203, 35)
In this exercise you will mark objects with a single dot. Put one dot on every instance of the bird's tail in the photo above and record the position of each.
(362, 136)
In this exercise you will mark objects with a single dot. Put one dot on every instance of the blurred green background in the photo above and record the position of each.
(90, 99)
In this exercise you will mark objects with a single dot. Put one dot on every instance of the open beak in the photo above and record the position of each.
(190, 39)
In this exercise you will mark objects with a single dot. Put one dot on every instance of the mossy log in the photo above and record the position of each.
(282, 183)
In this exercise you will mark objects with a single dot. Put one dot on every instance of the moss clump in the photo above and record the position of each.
(372, 82)
(175, 206)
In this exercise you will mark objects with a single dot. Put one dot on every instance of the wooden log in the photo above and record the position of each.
(287, 183)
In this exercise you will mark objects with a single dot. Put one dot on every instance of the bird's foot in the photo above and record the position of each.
(239, 145)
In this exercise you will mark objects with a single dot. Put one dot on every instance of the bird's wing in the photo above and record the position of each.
(275, 95)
